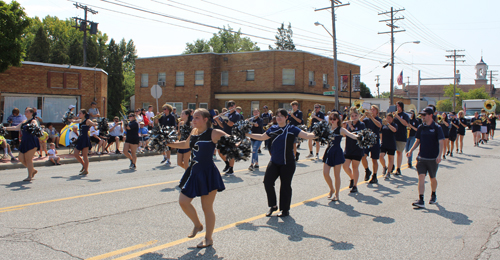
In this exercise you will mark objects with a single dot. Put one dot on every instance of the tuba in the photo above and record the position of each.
(439, 119)
(490, 106)
(357, 104)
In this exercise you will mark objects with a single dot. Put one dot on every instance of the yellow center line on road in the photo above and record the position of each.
(5, 209)
(199, 235)
(121, 251)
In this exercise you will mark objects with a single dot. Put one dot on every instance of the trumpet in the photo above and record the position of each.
(224, 115)
(124, 119)
(158, 116)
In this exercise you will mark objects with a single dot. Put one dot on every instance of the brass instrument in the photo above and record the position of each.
(357, 103)
(224, 115)
(309, 122)
(490, 106)
(158, 116)
(362, 111)
(439, 119)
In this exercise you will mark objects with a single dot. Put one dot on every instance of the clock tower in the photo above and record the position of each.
(481, 73)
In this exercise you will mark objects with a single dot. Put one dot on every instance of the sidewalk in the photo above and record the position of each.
(66, 158)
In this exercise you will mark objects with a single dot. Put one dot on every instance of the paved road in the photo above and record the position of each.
(115, 213)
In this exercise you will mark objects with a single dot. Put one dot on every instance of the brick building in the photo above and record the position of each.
(51, 88)
(253, 79)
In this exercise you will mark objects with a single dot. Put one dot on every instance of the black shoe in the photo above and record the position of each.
(398, 172)
(410, 165)
(374, 179)
(384, 172)
(297, 154)
(433, 199)
(230, 171)
(250, 168)
(132, 167)
(256, 166)
(351, 184)
(117, 152)
(259, 151)
(387, 176)
(164, 160)
(419, 204)
(451, 154)
(448, 153)
(368, 173)
(354, 189)
(284, 213)
(271, 210)
(457, 150)
(226, 168)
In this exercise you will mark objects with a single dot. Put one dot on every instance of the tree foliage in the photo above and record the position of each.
(478, 93)
(13, 24)
(364, 91)
(225, 41)
(115, 78)
(40, 49)
(444, 105)
(284, 39)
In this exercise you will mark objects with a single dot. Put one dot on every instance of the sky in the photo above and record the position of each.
(164, 27)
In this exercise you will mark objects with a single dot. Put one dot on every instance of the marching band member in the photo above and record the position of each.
(462, 124)
(201, 178)
(453, 132)
(296, 120)
(493, 122)
(445, 125)
(476, 128)
(352, 152)
(413, 125)
(282, 163)
(388, 146)
(183, 155)
(401, 119)
(373, 122)
(83, 141)
(484, 126)
(167, 119)
(257, 128)
(316, 116)
(334, 156)
(131, 140)
(233, 117)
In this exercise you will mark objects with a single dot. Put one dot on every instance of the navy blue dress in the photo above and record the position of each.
(28, 141)
(333, 153)
(202, 176)
(83, 139)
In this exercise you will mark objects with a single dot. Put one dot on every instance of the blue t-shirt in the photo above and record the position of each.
(351, 147)
(389, 137)
(370, 125)
(257, 129)
(282, 143)
(453, 129)
(429, 136)
(461, 128)
(233, 117)
(320, 115)
(415, 123)
(401, 133)
(167, 120)
(266, 118)
(144, 131)
(297, 114)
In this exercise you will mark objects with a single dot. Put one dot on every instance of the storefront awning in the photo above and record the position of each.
(279, 96)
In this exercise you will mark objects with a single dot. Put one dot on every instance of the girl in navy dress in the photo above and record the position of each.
(461, 130)
(83, 141)
(201, 178)
(334, 156)
(352, 152)
(388, 146)
(282, 164)
(131, 140)
(29, 143)
(454, 125)
(183, 155)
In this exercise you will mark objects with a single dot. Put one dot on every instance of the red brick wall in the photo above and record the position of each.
(34, 79)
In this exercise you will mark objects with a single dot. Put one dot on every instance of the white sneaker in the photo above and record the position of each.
(310, 155)
(317, 156)
(168, 162)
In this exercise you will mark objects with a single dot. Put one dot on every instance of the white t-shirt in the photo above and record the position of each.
(150, 114)
(93, 131)
(117, 131)
(72, 135)
(52, 152)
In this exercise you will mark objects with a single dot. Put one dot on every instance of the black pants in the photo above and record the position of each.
(285, 173)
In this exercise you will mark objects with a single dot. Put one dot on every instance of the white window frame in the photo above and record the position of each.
(285, 106)
(199, 76)
(204, 105)
(144, 80)
(179, 78)
(250, 75)
(325, 78)
(287, 75)
(311, 75)
(177, 105)
(224, 78)
(254, 105)
(191, 106)
(145, 105)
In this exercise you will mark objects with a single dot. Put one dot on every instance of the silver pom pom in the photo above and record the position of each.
(366, 138)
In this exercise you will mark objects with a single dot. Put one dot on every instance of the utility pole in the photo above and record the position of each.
(391, 24)
(491, 81)
(378, 85)
(455, 56)
(335, 3)
(83, 27)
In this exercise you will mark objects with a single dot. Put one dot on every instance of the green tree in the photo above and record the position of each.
(284, 39)
(115, 79)
(13, 23)
(385, 94)
(444, 105)
(225, 41)
(40, 49)
(365, 91)
(76, 52)
(59, 54)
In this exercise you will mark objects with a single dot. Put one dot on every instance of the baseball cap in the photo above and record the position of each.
(427, 111)
(71, 106)
(264, 107)
(93, 103)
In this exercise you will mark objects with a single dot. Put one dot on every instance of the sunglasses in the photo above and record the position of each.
(316, 107)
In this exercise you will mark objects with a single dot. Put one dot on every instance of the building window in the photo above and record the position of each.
(198, 78)
(288, 77)
(311, 76)
(285, 106)
(145, 105)
(322, 108)
(192, 106)
(325, 81)
(177, 105)
(204, 105)
(179, 78)
(250, 75)
(224, 78)
(254, 105)
(144, 80)
(162, 77)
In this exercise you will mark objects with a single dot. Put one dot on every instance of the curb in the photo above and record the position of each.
(18, 165)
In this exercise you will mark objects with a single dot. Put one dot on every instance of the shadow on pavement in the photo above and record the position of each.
(294, 231)
(18, 185)
(349, 210)
(76, 177)
(231, 179)
(209, 253)
(125, 171)
(171, 189)
(360, 197)
(402, 180)
(381, 189)
(455, 217)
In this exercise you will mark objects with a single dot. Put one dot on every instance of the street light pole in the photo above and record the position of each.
(392, 65)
